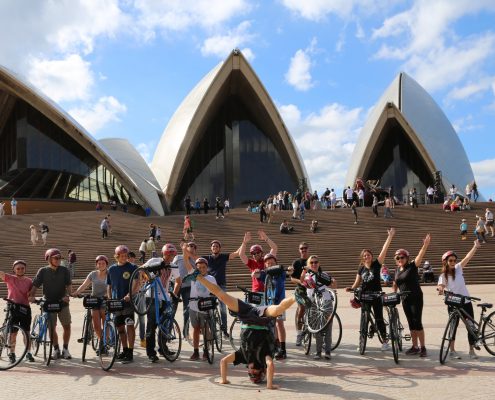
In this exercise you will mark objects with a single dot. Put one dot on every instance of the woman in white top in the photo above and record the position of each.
(34, 235)
(452, 280)
(489, 221)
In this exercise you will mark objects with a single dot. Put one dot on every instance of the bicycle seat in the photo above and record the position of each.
(485, 305)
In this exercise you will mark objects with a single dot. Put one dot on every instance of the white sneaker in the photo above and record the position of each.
(385, 346)
(472, 355)
(66, 355)
(56, 354)
(299, 339)
(454, 355)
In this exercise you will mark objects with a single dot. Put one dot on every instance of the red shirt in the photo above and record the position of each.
(257, 285)
(18, 288)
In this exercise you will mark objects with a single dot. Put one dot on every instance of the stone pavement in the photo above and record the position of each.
(348, 375)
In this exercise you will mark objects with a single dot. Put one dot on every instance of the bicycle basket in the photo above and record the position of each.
(324, 279)
(115, 305)
(391, 299)
(207, 303)
(275, 271)
(91, 302)
(255, 298)
(455, 300)
(366, 297)
(52, 306)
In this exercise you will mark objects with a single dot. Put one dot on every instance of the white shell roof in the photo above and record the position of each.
(440, 142)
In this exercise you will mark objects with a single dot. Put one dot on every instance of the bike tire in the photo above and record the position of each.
(336, 331)
(448, 336)
(109, 345)
(35, 335)
(306, 340)
(488, 333)
(363, 332)
(208, 341)
(401, 332)
(235, 334)
(319, 314)
(218, 330)
(48, 344)
(394, 335)
(138, 297)
(5, 345)
(86, 338)
(269, 292)
(170, 341)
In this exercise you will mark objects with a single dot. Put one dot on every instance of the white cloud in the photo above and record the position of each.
(68, 79)
(485, 178)
(471, 89)
(325, 140)
(93, 117)
(299, 73)
(222, 45)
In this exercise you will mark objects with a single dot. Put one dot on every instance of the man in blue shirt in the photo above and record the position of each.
(118, 280)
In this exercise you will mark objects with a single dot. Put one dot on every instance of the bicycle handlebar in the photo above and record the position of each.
(446, 293)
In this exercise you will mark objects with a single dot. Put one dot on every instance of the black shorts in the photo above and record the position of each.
(21, 315)
(255, 346)
(121, 316)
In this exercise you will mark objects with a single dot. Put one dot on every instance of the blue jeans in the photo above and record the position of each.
(223, 311)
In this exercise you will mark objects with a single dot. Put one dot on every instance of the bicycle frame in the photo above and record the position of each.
(166, 317)
(465, 317)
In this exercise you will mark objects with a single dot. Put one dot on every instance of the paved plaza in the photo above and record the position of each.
(348, 375)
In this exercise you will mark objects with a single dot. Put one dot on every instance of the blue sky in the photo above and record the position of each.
(121, 68)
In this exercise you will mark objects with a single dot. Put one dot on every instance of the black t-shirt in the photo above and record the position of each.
(298, 265)
(371, 277)
(408, 279)
(217, 266)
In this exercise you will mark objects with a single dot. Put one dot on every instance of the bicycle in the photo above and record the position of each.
(42, 325)
(483, 330)
(88, 334)
(271, 275)
(149, 288)
(212, 333)
(367, 325)
(395, 328)
(109, 344)
(9, 333)
(250, 297)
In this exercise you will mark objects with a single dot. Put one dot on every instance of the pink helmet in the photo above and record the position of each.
(255, 248)
(201, 260)
(19, 262)
(121, 249)
(52, 253)
(169, 248)
(355, 303)
(448, 254)
(309, 281)
(100, 258)
(402, 252)
(268, 256)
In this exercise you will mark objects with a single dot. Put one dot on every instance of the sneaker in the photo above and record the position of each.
(56, 354)
(299, 339)
(153, 358)
(317, 356)
(225, 334)
(473, 355)
(327, 355)
(205, 356)
(80, 340)
(423, 353)
(191, 277)
(29, 357)
(12, 358)
(454, 355)
(142, 342)
(412, 351)
(128, 358)
(194, 356)
(66, 355)
(281, 355)
(121, 356)
(385, 346)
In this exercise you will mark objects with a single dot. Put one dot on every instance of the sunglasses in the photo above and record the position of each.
(314, 262)
(191, 245)
(56, 257)
(452, 260)
(303, 248)
(256, 254)
(400, 258)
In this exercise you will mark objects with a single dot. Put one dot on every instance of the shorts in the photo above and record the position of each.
(489, 223)
(21, 315)
(121, 316)
(63, 316)
(197, 318)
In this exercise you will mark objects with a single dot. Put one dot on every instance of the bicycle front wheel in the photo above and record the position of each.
(235, 334)
(269, 290)
(48, 343)
(320, 313)
(448, 337)
(139, 285)
(306, 340)
(86, 335)
(12, 337)
(35, 335)
(363, 332)
(217, 331)
(170, 340)
(336, 331)
(109, 345)
(488, 333)
(209, 341)
(394, 334)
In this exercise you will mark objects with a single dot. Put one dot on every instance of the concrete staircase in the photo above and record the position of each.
(338, 241)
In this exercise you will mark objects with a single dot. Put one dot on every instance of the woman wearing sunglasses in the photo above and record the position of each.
(407, 279)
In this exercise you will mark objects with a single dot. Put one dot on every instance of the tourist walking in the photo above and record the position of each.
(34, 235)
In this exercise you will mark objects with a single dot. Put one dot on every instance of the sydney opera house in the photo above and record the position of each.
(226, 139)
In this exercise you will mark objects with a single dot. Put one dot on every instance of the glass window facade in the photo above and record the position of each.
(235, 158)
(398, 163)
(39, 160)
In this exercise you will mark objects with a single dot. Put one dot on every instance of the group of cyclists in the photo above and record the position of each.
(190, 278)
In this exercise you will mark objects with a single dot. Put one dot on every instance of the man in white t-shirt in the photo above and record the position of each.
(361, 197)
(349, 193)
(430, 192)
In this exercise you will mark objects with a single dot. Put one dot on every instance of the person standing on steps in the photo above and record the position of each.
(44, 232)
(13, 206)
